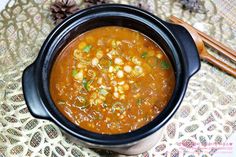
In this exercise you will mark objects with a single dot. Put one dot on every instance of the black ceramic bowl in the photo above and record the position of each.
(174, 40)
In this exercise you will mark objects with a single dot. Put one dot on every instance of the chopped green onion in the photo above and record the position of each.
(74, 72)
(81, 99)
(117, 106)
(144, 55)
(96, 102)
(117, 68)
(85, 84)
(98, 117)
(139, 102)
(104, 105)
(84, 106)
(103, 91)
(165, 65)
(87, 48)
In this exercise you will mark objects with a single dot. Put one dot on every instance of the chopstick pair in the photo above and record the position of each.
(200, 38)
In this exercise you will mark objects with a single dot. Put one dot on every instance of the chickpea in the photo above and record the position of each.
(99, 54)
(120, 74)
(126, 86)
(116, 94)
(118, 61)
(79, 76)
(159, 56)
(99, 81)
(111, 69)
(138, 70)
(122, 97)
(120, 89)
(95, 61)
(114, 83)
(127, 68)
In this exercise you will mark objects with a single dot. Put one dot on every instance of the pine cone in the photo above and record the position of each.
(61, 9)
(90, 3)
(144, 6)
(193, 6)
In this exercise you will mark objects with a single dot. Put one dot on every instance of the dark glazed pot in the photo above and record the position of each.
(173, 39)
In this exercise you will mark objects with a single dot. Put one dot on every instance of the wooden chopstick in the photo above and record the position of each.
(231, 54)
(218, 46)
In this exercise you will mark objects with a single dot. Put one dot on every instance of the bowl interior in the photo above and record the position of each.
(79, 24)
(154, 34)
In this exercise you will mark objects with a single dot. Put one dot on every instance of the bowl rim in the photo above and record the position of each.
(103, 139)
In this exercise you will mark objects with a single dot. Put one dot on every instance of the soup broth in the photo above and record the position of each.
(111, 80)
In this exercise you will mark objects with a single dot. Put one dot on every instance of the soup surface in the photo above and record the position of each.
(111, 80)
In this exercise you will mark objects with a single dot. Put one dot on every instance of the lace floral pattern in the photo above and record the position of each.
(207, 114)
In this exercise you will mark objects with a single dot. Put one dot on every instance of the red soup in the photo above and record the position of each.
(111, 80)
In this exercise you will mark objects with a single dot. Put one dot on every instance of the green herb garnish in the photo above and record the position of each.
(87, 48)
(104, 105)
(85, 84)
(103, 91)
(74, 72)
(144, 55)
(139, 102)
(118, 106)
(98, 117)
(84, 106)
(117, 68)
(165, 65)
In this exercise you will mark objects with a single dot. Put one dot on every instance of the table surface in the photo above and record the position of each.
(206, 116)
